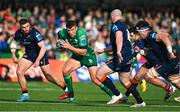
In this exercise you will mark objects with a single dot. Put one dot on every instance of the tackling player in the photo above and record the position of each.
(138, 43)
(159, 46)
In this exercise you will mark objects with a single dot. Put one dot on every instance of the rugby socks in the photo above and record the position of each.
(133, 90)
(128, 92)
(106, 89)
(68, 81)
(135, 83)
(65, 88)
(24, 90)
(108, 82)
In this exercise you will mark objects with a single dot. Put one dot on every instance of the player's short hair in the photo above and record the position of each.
(142, 25)
(71, 23)
(133, 30)
(23, 21)
(116, 12)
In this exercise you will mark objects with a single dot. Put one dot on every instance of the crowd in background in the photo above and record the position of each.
(96, 22)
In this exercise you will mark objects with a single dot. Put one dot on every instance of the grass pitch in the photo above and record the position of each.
(88, 97)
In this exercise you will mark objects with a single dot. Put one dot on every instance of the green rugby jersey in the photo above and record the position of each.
(79, 41)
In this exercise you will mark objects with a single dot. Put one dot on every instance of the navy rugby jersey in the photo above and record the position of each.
(30, 41)
(139, 44)
(156, 48)
(126, 47)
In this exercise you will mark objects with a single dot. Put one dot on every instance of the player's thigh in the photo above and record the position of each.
(103, 71)
(71, 65)
(92, 71)
(141, 73)
(23, 65)
(46, 69)
(125, 78)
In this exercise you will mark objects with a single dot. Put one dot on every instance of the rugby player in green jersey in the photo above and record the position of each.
(74, 38)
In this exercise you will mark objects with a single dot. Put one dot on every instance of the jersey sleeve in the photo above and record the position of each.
(16, 36)
(38, 37)
(61, 34)
(83, 41)
(153, 36)
(117, 27)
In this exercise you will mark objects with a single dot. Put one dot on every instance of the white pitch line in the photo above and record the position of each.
(31, 89)
(84, 104)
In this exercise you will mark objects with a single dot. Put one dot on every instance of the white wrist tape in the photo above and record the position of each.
(12, 45)
(142, 52)
(169, 48)
(13, 50)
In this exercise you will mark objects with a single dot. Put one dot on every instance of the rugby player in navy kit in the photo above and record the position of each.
(151, 60)
(35, 55)
(122, 58)
(158, 44)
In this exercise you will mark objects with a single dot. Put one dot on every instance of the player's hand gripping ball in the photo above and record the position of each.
(59, 44)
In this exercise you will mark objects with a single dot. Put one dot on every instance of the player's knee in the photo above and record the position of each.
(175, 80)
(66, 70)
(19, 72)
(177, 85)
(127, 85)
(95, 81)
(98, 75)
(125, 81)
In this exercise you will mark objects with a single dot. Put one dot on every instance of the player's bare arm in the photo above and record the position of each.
(119, 42)
(67, 45)
(100, 51)
(13, 51)
(41, 53)
(165, 38)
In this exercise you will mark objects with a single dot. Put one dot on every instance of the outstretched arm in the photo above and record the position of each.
(165, 38)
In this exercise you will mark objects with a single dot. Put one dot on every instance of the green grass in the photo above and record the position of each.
(88, 98)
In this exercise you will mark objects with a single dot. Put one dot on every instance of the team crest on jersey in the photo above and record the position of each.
(83, 40)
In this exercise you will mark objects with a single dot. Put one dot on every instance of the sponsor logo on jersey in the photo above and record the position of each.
(38, 36)
(114, 28)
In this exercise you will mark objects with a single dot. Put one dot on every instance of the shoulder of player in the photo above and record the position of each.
(162, 34)
(18, 32)
(62, 32)
(81, 32)
(118, 25)
(35, 32)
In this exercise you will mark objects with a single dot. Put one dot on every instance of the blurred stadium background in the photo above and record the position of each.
(49, 16)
